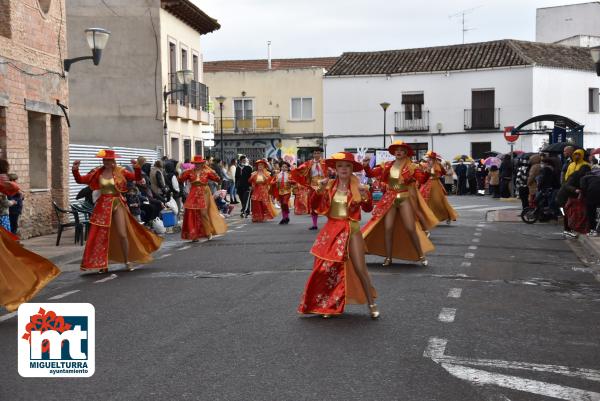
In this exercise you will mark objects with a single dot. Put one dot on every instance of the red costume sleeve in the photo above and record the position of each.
(9, 188)
(300, 174)
(367, 205)
(375, 172)
(86, 179)
(135, 176)
(320, 201)
(184, 177)
(212, 175)
(420, 176)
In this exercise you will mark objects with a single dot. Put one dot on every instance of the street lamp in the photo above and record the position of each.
(184, 77)
(221, 100)
(96, 39)
(384, 106)
(595, 52)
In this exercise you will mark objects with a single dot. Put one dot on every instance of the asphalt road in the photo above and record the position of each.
(505, 311)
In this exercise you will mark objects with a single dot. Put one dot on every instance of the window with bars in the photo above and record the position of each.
(413, 105)
(301, 108)
(593, 100)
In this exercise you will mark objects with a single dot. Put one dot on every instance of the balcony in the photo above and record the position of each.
(417, 120)
(191, 104)
(482, 119)
(254, 125)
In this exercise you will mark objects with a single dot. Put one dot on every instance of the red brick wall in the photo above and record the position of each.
(30, 68)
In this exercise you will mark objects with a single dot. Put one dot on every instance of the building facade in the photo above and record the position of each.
(457, 99)
(33, 133)
(121, 102)
(554, 24)
(269, 111)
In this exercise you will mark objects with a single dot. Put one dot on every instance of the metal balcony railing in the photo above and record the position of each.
(483, 118)
(195, 95)
(416, 120)
(259, 124)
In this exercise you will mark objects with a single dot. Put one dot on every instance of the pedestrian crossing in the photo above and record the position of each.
(482, 208)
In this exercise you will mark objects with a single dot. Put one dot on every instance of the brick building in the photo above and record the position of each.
(33, 131)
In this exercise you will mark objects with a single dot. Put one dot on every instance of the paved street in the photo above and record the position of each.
(505, 311)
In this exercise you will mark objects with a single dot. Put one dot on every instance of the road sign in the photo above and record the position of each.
(508, 136)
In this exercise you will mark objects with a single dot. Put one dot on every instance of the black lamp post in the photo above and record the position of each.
(384, 106)
(221, 100)
(184, 77)
(595, 52)
(96, 38)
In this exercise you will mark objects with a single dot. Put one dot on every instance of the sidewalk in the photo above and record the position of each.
(45, 245)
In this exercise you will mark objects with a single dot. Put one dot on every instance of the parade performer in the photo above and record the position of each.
(282, 190)
(308, 175)
(261, 181)
(434, 192)
(201, 218)
(115, 235)
(22, 273)
(396, 228)
(339, 275)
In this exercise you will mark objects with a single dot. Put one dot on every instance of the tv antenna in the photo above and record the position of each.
(462, 17)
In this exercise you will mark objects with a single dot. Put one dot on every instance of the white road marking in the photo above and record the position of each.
(455, 293)
(473, 247)
(63, 295)
(166, 255)
(183, 248)
(477, 234)
(111, 277)
(469, 255)
(467, 207)
(480, 225)
(455, 366)
(465, 264)
(475, 240)
(447, 315)
(8, 316)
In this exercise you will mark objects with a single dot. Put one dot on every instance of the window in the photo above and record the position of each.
(482, 115)
(195, 67)
(198, 147)
(172, 58)
(175, 148)
(187, 149)
(38, 150)
(243, 114)
(478, 149)
(56, 156)
(413, 106)
(594, 100)
(302, 108)
(184, 59)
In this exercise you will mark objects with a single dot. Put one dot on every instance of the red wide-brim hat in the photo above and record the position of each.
(263, 162)
(343, 157)
(432, 155)
(198, 160)
(401, 144)
(107, 154)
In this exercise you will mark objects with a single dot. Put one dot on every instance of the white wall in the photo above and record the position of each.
(565, 92)
(351, 107)
(555, 23)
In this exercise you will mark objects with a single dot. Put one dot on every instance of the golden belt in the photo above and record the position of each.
(198, 184)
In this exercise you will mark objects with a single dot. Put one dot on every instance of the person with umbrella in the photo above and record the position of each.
(506, 171)
(461, 174)
(434, 192)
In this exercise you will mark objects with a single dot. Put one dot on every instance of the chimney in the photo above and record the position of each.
(269, 54)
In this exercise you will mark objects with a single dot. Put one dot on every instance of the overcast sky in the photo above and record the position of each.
(316, 28)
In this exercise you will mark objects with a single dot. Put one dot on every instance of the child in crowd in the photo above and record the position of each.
(5, 204)
(15, 210)
(494, 181)
(134, 201)
(224, 207)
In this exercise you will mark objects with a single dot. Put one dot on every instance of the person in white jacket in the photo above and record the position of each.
(232, 190)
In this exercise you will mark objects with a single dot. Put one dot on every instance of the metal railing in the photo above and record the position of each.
(196, 94)
(483, 118)
(416, 120)
(258, 124)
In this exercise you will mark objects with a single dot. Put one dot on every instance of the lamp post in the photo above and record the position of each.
(595, 52)
(384, 106)
(221, 100)
(184, 77)
(96, 39)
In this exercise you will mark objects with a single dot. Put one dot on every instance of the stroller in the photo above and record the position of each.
(542, 209)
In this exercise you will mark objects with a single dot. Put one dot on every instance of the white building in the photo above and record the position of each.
(458, 99)
(554, 24)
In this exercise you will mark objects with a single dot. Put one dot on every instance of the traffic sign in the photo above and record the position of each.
(508, 136)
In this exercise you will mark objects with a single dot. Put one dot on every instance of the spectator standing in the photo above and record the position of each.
(590, 189)
(232, 188)
(493, 178)
(461, 175)
(521, 182)
(242, 180)
(15, 210)
(535, 168)
(157, 182)
(506, 172)
(448, 177)
(481, 174)
(472, 177)
(133, 201)
(568, 195)
(172, 181)
(567, 153)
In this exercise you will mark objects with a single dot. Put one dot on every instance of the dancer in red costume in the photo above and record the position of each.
(340, 275)
(22, 273)
(261, 181)
(308, 176)
(115, 235)
(397, 223)
(434, 192)
(283, 190)
(201, 218)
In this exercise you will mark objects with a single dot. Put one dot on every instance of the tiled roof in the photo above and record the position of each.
(500, 53)
(262, 64)
(186, 11)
